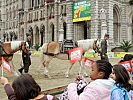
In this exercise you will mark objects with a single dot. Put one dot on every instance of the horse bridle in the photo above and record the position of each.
(96, 49)
(21, 47)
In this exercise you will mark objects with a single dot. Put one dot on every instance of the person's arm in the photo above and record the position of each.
(9, 91)
(89, 92)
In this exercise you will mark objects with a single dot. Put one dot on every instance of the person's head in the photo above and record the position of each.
(101, 69)
(25, 87)
(120, 75)
(106, 36)
(128, 57)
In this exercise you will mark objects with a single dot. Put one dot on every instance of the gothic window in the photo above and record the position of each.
(23, 6)
(29, 16)
(0, 4)
(61, 10)
(35, 3)
(116, 24)
(52, 10)
(37, 15)
(49, 10)
(13, 11)
(41, 14)
(64, 9)
(0, 15)
(10, 13)
(42, 2)
(38, 2)
(32, 3)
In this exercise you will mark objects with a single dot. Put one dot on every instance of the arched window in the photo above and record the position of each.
(32, 3)
(116, 24)
(0, 15)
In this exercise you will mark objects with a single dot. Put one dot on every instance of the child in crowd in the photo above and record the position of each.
(24, 88)
(99, 88)
(122, 87)
(129, 57)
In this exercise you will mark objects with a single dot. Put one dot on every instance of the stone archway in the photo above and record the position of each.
(116, 24)
(42, 32)
(30, 31)
(64, 28)
(37, 35)
(51, 34)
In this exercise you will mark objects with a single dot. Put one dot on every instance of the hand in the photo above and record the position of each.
(4, 81)
(79, 77)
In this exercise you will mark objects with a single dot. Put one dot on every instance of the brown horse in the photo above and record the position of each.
(9, 48)
(53, 49)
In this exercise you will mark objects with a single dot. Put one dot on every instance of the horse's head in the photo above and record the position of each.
(25, 47)
(96, 45)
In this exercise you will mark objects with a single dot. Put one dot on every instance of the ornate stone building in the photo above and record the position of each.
(46, 19)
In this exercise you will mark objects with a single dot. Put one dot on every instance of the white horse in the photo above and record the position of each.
(52, 49)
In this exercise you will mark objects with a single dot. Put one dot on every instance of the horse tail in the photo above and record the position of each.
(41, 56)
(76, 44)
(42, 51)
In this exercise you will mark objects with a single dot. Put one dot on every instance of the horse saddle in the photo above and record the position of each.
(52, 48)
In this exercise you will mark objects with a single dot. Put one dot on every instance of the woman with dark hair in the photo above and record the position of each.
(24, 88)
(122, 86)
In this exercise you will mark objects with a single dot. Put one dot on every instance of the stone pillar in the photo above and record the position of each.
(109, 7)
(46, 22)
(3, 17)
(20, 4)
(94, 18)
(70, 27)
(103, 19)
(56, 21)
(25, 18)
(124, 24)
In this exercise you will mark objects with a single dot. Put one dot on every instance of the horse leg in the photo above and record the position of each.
(45, 64)
(82, 68)
(68, 70)
(14, 71)
(46, 72)
(84, 71)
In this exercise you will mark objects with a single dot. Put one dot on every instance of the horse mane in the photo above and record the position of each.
(15, 44)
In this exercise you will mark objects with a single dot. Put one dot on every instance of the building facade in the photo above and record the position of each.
(45, 20)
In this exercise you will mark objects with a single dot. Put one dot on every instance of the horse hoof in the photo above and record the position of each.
(86, 75)
(67, 76)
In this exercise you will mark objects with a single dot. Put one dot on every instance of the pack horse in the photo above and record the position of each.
(9, 48)
(50, 50)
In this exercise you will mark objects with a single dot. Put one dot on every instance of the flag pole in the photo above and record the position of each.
(2, 71)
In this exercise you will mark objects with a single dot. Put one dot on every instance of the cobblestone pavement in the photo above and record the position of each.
(57, 69)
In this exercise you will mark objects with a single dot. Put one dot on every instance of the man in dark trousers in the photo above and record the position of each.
(104, 48)
(26, 62)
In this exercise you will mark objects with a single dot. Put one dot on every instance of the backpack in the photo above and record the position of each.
(122, 89)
